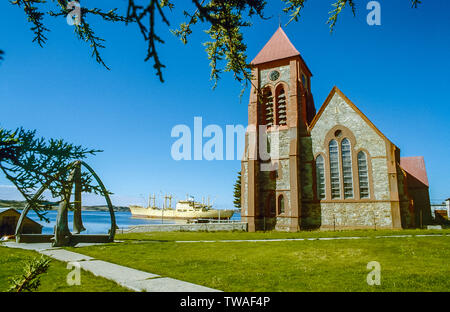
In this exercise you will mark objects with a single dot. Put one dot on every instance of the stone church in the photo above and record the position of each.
(333, 169)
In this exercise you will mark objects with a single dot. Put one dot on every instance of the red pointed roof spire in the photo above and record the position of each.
(278, 47)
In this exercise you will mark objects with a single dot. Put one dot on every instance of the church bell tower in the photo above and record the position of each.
(276, 189)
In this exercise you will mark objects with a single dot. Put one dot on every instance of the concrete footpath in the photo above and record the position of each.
(127, 277)
(268, 240)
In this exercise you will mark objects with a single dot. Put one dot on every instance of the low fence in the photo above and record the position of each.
(192, 227)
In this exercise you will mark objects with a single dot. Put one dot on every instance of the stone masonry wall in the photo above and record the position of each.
(285, 72)
(356, 215)
(339, 112)
(195, 227)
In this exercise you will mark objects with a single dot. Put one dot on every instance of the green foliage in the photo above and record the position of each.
(225, 20)
(294, 7)
(237, 192)
(140, 14)
(30, 280)
(35, 17)
(415, 3)
(30, 162)
(338, 6)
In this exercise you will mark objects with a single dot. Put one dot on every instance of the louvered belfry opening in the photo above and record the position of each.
(281, 107)
(267, 112)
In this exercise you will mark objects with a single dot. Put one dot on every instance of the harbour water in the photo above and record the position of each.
(99, 222)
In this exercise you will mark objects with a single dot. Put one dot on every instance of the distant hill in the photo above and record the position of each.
(12, 203)
(21, 205)
(105, 208)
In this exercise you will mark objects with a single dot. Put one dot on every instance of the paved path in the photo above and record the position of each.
(303, 239)
(127, 277)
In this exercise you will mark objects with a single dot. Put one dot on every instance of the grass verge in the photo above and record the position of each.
(11, 264)
(407, 264)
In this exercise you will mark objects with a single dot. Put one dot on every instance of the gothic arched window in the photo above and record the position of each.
(280, 204)
(267, 116)
(363, 174)
(281, 107)
(320, 174)
(334, 170)
(347, 174)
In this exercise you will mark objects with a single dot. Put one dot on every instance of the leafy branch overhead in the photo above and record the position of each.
(225, 20)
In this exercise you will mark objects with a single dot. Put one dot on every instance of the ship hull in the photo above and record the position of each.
(142, 212)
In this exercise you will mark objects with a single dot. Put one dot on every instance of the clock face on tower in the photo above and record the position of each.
(274, 75)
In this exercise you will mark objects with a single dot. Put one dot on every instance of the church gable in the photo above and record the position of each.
(340, 119)
(337, 111)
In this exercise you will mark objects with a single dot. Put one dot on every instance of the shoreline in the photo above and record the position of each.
(20, 205)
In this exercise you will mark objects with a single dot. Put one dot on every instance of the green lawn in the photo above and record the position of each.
(407, 264)
(11, 264)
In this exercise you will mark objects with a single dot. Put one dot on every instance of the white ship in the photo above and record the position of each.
(185, 209)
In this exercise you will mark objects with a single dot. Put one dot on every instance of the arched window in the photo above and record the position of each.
(334, 170)
(363, 174)
(320, 174)
(281, 107)
(347, 174)
(267, 108)
(280, 204)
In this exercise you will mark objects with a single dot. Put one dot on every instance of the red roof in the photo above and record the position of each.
(278, 47)
(415, 166)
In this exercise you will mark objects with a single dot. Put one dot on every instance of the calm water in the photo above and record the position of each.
(99, 222)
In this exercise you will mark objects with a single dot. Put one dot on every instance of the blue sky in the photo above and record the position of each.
(396, 73)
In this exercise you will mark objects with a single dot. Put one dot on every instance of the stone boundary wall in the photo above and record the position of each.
(195, 227)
